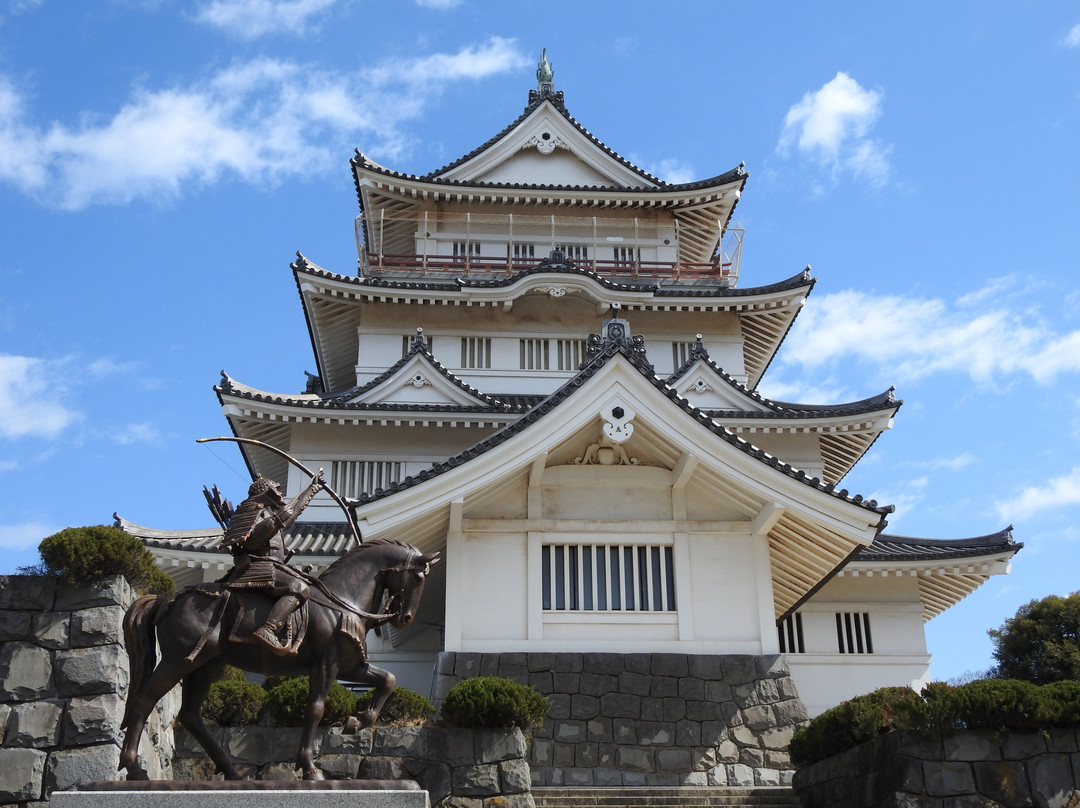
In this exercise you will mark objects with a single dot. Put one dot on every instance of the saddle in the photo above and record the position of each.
(291, 635)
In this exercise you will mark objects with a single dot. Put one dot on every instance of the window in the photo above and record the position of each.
(350, 478)
(476, 352)
(791, 634)
(853, 633)
(626, 256)
(523, 250)
(598, 578)
(576, 252)
(534, 354)
(570, 353)
(466, 248)
(680, 352)
(406, 343)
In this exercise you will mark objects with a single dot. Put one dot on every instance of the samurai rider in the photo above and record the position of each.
(255, 538)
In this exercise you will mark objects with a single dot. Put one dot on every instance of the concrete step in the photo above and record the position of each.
(655, 797)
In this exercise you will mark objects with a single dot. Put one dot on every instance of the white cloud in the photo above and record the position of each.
(1072, 39)
(439, 4)
(25, 536)
(670, 170)
(250, 19)
(29, 405)
(258, 121)
(913, 337)
(955, 463)
(137, 433)
(1055, 493)
(832, 125)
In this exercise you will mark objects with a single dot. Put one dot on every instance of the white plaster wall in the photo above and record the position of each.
(494, 602)
(825, 680)
(724, 584)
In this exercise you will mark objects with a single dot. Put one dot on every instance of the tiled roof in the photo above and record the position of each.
(907, 548)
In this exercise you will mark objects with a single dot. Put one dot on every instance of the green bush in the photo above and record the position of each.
(994, 704)
(232, 703)
(404, 708)
(493, 703)
(82, 555)
(231, 673)
(1041, 643)
(287, 702)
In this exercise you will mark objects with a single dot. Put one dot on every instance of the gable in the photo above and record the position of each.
(705, 389)
(417, 381)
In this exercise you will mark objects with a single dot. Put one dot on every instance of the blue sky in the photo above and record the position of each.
(161, 163)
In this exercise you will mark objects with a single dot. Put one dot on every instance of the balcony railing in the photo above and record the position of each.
(465, 265)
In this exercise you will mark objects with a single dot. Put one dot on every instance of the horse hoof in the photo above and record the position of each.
(314, 774)
(137, 774)
(352, 726)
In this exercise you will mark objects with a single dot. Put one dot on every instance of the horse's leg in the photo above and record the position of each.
(323, 675)
(196, 685)
(140, 706)
(384, 683)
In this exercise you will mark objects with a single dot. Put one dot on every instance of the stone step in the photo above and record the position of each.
(656, 797)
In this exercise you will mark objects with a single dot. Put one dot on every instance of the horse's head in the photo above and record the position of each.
(405, 583)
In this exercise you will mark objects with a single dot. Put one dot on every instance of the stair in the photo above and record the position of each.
(655, 797)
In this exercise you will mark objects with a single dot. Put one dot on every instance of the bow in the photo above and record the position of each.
(334, 495)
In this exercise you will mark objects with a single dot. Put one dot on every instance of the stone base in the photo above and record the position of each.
(245, 794)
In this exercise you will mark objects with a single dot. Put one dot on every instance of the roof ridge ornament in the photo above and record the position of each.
(545, 83)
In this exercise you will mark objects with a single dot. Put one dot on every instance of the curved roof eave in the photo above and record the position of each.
(887, 548)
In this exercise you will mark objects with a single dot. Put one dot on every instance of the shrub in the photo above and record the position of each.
(231, 673)
(853, 722)
(404, 708)
(82, 555)
(287, 702)
(1041, 643)
(493, 703)
(232, 703)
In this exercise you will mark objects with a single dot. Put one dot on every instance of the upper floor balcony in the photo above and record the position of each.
(462, 244)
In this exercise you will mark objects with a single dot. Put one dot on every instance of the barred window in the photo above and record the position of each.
(576, 252)
(626, 256)
(466, 248)
(791, 634)
(476, 352)
(534, 354)
(597, 578)
(570, 353)
(351, 478)
(853, 633)
(523, 250)
(406, 343)
(680, 353)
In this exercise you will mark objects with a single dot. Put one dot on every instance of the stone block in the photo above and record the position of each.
(466, 666)
(340, 766)
(687, 733)
(1061, 740)
(515, 777)
(1004, 782)
(256, 745)
(586, 755)
(759, 718)
(790, 712)
(577, 777)
(673, 760)
(663, 687)
(948, 779)
(433, 777)
(636, 683)
(515, 673)
(607, 777)
(35, 724)
(29, 593)
(489, 665)
(670, 665)
(673, 709)
(652, 709)
(335, 742)
(14, 625)
(706, 711)
(694, 779)
(541, 753)
(624, 731)
(97, 625)
(603, 664)
(497, 745)
(635, 759)
(597, 684)
(717, 776)
(569, 731)
(1022, 745)
(739, 775)
(1051, 780)
(560, 705)
(400, 742)
(541, 662)
(777, 739)
(280, 771)
(739, 669)
(656, 733)
(88, 671)
(971, 746)
(691, 689)
(111, 591)
(598, 729)
(444, 663)
(68, 768)
(713, 732)
(25, 671)
(22, 774)
(93, 719)
(584, 707)
(766, 777)
(51, 629)
(481, 780)
(568, 663)
(638, 663)
(754, 758)
(565, 682)
(620, 705)
(705, 666)
(543, 681)
(564, 755)
(375, 767)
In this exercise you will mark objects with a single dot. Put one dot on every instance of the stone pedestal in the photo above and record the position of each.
(245, 794)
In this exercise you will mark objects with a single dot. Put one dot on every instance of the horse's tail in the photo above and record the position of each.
(140, 640)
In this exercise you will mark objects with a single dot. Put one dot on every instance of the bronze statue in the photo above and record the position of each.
(235, 621)
(254, 536)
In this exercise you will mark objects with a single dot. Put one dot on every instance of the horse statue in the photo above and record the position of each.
(205, 627)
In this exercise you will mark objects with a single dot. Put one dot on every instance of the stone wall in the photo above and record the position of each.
(63, 681)
(457, 767)
(1012, 769)
(650, 719)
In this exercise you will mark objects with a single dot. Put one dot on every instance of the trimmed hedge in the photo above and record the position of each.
(287, 702)
(404, 708)
(82, 555)
(488, 702)
(232, 703)
(996, 704)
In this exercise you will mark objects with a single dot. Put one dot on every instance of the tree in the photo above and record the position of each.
(1041, 644)
(81, 555)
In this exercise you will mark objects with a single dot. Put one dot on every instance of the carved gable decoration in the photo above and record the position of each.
(704, 388)
(418, 381)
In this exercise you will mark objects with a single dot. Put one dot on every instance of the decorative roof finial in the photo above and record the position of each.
(545, 75)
